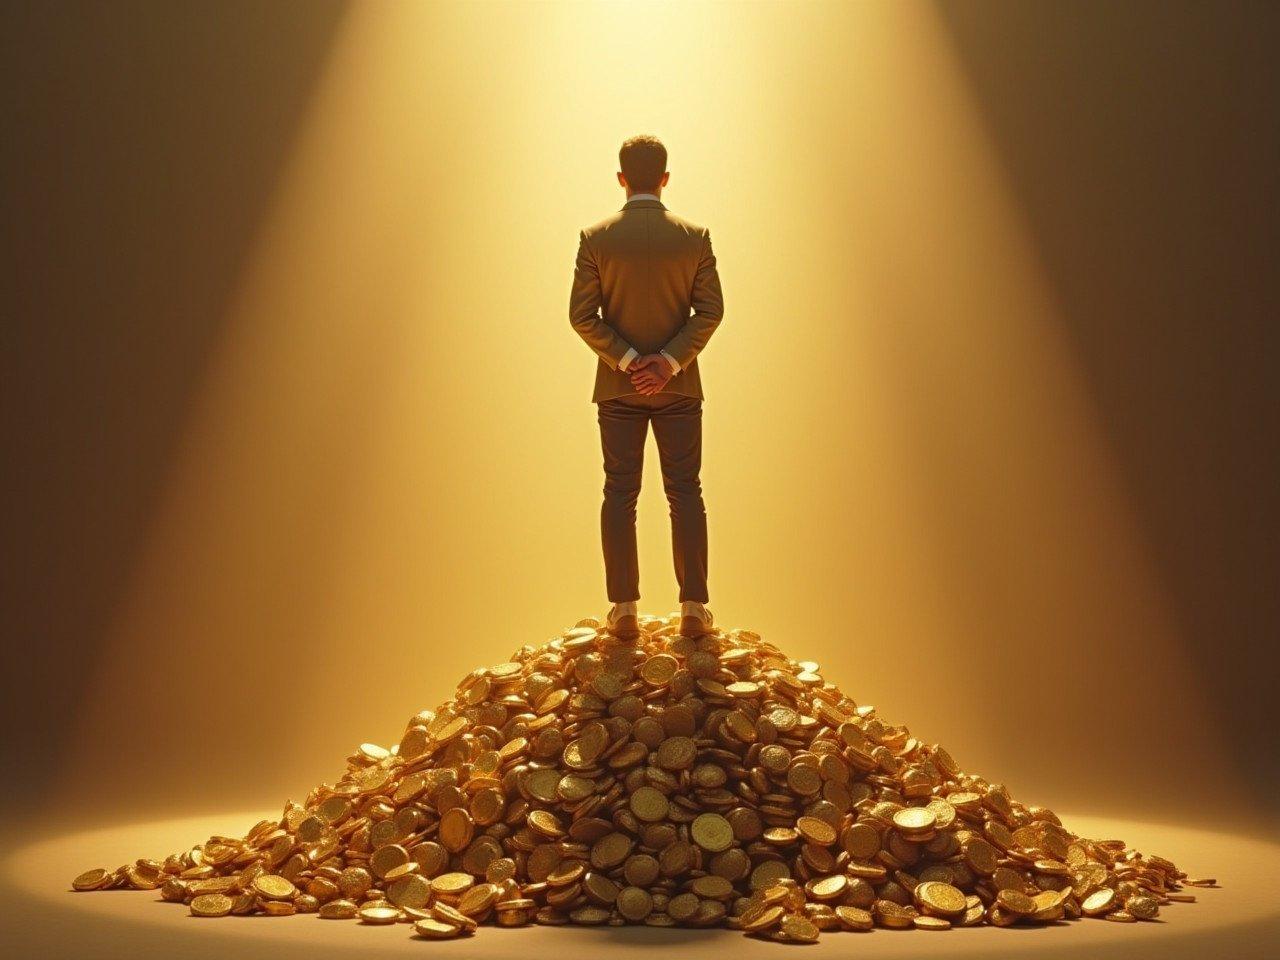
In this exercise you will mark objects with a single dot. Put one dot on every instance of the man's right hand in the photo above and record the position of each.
(650, 373)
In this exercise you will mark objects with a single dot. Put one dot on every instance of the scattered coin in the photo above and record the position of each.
(90, 879)
(211, 905)
(926, 922)
(435, 929)
(375, 914)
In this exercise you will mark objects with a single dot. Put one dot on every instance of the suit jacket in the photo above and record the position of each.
(645, 278)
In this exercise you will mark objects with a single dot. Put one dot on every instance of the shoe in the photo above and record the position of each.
(625, 626)
(695, 621)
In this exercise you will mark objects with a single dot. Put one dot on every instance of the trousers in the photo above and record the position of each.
(677, 427)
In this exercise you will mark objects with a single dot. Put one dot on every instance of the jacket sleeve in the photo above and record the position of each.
(585, 302)
(708, 308)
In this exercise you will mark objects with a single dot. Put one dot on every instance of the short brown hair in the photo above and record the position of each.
(644, 161)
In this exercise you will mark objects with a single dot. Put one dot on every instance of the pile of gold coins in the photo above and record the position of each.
(666, 781)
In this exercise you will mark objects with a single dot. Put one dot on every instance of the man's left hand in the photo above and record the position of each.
(650, 373)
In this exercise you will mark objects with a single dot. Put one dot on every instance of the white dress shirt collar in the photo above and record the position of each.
(643, 196)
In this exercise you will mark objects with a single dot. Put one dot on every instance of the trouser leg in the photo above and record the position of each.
(623, 429)
(677, 426)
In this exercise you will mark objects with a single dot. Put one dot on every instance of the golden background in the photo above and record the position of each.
(301, 434)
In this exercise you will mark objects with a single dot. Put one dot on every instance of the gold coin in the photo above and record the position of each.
(446, 913)
(682, 907)
(436, 930)
(372, 913)
(761, 918)
(804, 779)
(337, 910)
(542, 784)
(915, 820)
(712, 832)
(91, 879)
(384, 858)
(930, 923)
(712, 887)
(1016, 902)
(980, 856)
(476, 901)
(854, 918)
(610, 850)
(944, 813)
(828, 888)
(278, 908)
(1142, 907)
(566, 873)
(452, 884)
(892, 915)
(676, 753)
(641, 870)
(334, 809)
(940, 899)
(212, 904)
(862, 841)
(552, 701)
(545, 823)
(784, 718)
(589, 916)
(658, 670)
(816, 831)
(634, 903)
(767, 873)
(450, 729)
(273, 887)
(799, 929)
(456, 829)
(1099, 902)
(403, 870)
(600, 889)
(741, 727)
(781, 836)
(649, 804)
(410, 891)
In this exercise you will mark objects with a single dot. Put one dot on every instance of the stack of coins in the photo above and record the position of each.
(665, 781)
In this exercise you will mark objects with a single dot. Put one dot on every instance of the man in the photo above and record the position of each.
(646, 298)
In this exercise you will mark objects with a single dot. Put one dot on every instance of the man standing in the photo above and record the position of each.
(646, 298)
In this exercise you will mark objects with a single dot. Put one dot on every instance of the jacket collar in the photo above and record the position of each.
(651, 204)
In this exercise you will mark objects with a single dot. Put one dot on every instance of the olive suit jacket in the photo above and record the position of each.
(645, 279)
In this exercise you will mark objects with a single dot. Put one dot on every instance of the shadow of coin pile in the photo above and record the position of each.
(666, 781)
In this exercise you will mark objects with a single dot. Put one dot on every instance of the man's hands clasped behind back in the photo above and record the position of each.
(650, 373)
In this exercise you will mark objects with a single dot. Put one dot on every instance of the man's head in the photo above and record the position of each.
(644, 164)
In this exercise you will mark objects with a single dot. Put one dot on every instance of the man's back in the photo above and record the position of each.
(639, 273)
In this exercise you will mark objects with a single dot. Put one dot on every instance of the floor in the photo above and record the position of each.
(43, 918)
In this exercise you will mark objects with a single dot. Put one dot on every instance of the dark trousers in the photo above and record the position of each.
(677, 426)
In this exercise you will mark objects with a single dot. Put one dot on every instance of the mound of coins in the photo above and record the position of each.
(666, 781)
